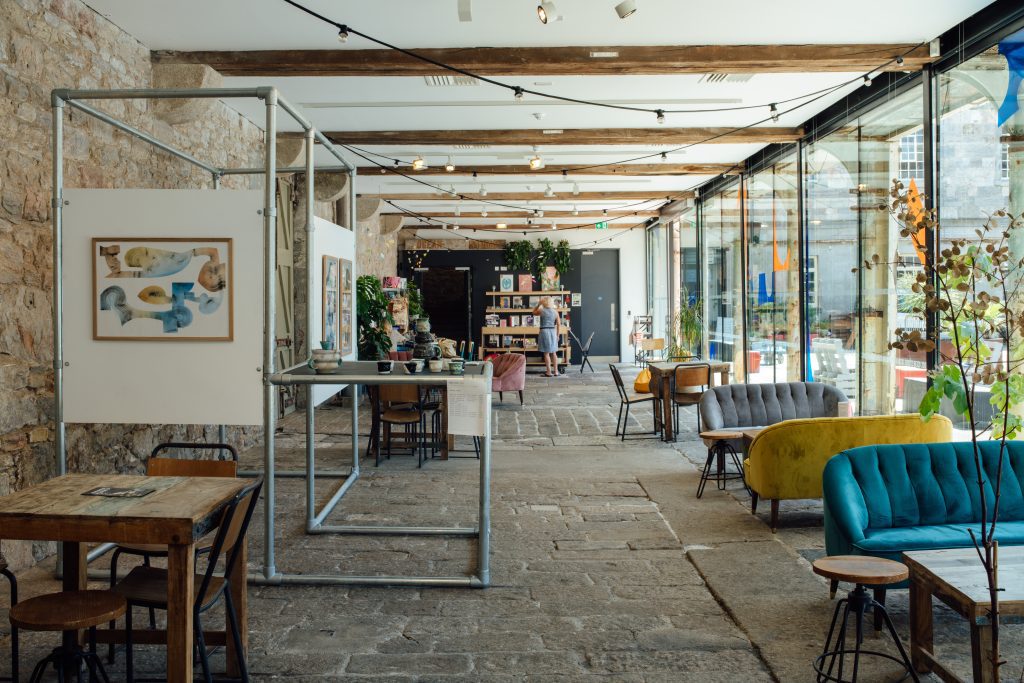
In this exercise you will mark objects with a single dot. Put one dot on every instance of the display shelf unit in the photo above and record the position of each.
(522, 333)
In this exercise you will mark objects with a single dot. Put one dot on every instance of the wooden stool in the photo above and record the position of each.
(862, 571)
(70, 611)
(718, 443)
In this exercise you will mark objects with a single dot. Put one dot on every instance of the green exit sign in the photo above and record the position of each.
(601, 225)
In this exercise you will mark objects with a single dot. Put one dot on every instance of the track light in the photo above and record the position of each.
(518, 93)
(626, 8)
(546, 11)
(575, 211)
(343, 34)
(575, 188)
(548, 192)
(661, 116)
(449, 166)
(483, 191)
(458, 211)
(536, 163)
(773, 111)
(418, 164)
(867, 79)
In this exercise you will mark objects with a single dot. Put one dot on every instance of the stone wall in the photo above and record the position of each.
(63, 43)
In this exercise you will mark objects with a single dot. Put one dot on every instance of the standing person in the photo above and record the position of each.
(550, 331)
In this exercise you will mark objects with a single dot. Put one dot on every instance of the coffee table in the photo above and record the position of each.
(957, 578)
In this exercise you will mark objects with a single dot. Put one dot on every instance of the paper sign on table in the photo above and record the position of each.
(469, 402)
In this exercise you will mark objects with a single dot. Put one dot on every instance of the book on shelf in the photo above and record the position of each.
(526, 283)
(502, 323)
(517, 302)
(506, 283)
(513, 321)
(534, 301)
(503, 302)
(492, 319)
(529, 321)
(506, 341)
(493, 340)
(530, 344)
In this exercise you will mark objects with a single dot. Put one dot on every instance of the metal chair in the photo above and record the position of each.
(627, 401)
(585, 350)
(14, 629)
(147, 586)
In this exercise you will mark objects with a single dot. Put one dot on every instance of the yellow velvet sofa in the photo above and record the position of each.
(786, 460)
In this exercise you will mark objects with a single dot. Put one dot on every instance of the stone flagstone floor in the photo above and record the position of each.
(605, 565)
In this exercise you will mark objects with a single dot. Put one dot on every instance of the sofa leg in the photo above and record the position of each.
(501, 396)
(753, 502)
(775, 514)
(521, 397)
(879, 611)
(833, 586)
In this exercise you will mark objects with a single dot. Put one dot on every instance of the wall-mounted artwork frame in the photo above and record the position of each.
(162, 289)
(347, 311)
(331, 301)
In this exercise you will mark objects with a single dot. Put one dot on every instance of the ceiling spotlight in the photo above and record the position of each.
(343, 34)
(867, 79)
(518, 93)
(626, 8)
(536, 163)
(548, 192)
(418, 164)
(546, 12)
(458, 210)
(575, 188)
(540, 213)
(483, 191)
(449, 166)
(899, 60)
(501, 226)
(773, 111)
(661, 116)
(575, 211)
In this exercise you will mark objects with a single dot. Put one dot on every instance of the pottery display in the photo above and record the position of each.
(325, 360)
(426, 343)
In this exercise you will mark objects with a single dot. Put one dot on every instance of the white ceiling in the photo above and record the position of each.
(410, 104)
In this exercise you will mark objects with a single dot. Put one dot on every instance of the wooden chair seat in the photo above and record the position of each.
(68, 610)
(396, 416)
(861, 569)
(147, 586)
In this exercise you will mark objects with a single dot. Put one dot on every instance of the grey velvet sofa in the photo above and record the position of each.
(736, 406)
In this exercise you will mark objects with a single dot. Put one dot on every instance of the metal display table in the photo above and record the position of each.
(356, 374)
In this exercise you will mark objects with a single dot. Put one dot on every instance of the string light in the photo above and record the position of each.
(518, 93)
(483, 213)
(458, 211)
(483, 191)
(449, 166)
(548, 192)
(343, 34)
(575, 211)
(664, 156)
(867, 79)
(660, 116)
(774, 112)
(536, 163)
(418, 164)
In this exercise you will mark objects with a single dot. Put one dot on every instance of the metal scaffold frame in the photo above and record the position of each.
(269, 575)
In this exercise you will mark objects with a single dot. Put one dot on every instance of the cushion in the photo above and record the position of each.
(901, 539)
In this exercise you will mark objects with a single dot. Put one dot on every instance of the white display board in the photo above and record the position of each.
(173, 380)
(329, 240)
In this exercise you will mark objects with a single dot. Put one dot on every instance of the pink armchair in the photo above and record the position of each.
(509, 374)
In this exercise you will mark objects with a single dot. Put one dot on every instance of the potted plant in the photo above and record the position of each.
(685, 327)
(372, 318)
(971, 290)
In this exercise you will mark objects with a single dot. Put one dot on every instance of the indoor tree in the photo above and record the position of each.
(972, 290)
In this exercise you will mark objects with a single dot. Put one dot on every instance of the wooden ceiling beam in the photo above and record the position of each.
(575, 137)
(581, 216)
(560, 61)
(609, 195)
(662, 169)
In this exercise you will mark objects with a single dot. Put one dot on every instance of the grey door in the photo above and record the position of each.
(599, 284)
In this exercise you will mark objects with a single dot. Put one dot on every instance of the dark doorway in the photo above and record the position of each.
(446, 298)
(599, 285)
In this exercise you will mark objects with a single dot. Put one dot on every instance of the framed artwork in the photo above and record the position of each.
(549, 279)
(347, 314)
(162, 289)
(331, 300)
(506, 283)
(526, 283)
(346, 275)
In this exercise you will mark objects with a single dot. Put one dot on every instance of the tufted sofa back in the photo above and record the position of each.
(879, 487)
(760, 405)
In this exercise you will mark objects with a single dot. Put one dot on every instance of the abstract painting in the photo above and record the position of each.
(162, 289)
(332, 299)
(347, 314)
(346, 275)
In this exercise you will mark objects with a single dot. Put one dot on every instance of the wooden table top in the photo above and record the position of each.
(960, 574)
(870, 571)
(670, 366)
(180, 510)
(751, 432)
(721, 435)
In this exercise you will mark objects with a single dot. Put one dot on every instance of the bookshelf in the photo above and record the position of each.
(521, 337)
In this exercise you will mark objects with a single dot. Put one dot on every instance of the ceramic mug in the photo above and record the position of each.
(384, 366)
(436, 364)
(456, 366)
(412, 367)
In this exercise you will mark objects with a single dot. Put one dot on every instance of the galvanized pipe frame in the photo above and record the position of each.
(61, 97)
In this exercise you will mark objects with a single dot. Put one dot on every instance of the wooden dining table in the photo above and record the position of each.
(665, 370)
(178, 512)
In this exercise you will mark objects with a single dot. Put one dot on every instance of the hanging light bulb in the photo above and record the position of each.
(458, 211)
(383, 170)
(773, 111)
(449, 166)
(661, 116)
(536, 163)
(452, 192)
(604, 211)
(664, 156)
(548, 192)
(483, 214)
(418, 164)
(483, 191)
(518, 93)
(575, 188)
(343, 34)
(575, 211)
(867, 79)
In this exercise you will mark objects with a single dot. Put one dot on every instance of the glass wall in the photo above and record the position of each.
(773, 274)
(723, 273)
(657, 277)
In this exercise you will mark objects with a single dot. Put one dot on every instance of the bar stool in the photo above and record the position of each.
(862, 571)
(71, 611)
(719, 443)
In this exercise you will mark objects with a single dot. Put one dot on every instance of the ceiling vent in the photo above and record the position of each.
(471, 146)
(725, 78)
(446, 81)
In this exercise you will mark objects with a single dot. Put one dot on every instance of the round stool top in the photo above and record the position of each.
(68, 610)
(721, 435)
(863, 569)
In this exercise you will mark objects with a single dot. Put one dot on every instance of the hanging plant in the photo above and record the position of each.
(545, 254)
(518, 256)
(563, 263)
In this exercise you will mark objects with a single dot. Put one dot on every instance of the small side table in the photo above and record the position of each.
(719, 446)
(861, 571)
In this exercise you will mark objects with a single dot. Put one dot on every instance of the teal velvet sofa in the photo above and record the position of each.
(884, 500)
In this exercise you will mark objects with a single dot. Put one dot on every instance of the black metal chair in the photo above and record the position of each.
(14, 629)
(626, 401)
(585, 350)
(147, 586)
